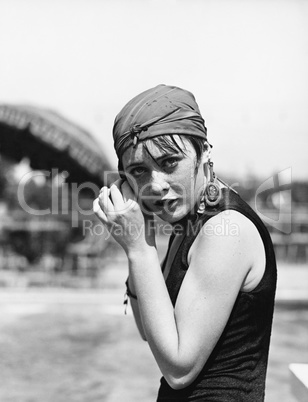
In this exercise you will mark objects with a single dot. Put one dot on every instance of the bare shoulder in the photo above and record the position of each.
(230, 239)
(228, 228)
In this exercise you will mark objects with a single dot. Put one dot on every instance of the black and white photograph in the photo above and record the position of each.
(153, 201)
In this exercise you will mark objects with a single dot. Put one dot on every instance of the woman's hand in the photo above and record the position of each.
(118, 209)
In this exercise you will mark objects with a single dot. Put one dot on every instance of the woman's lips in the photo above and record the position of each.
(167, 204)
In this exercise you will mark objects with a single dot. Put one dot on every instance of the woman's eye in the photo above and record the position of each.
(171, 162)
(137, 171)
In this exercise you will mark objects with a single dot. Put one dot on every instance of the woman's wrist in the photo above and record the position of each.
(142, 251)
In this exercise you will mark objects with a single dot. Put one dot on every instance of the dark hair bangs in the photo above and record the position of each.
(167, 143)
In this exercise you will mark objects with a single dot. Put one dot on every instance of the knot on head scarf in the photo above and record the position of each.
(158, 111)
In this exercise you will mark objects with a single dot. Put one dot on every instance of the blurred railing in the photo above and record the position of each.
(290, 239)
(292, 247)
(47, 250)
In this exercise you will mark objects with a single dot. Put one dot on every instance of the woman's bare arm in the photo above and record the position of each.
(183, 338)
(136, 312)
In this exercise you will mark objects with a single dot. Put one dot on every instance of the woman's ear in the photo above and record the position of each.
(206, 156)
(205, 159)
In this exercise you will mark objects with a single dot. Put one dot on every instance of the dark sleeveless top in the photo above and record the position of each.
(236, 368)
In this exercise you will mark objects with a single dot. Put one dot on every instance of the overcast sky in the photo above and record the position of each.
(245, 61)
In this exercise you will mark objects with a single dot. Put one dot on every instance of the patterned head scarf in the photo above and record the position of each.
(158, 111)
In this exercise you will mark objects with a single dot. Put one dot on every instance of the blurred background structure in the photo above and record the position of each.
(51, 170)
(67, 69)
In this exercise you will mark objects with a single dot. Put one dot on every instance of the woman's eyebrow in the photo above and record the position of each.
(133, 165)
(166, 156)
(158, 159)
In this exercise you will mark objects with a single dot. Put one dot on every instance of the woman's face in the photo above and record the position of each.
(167, 183)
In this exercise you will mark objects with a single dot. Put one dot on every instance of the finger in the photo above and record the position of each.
(117, 197)
(105, 202)
(117, 183)
(98, 211)
(130, 193)
(127, 191)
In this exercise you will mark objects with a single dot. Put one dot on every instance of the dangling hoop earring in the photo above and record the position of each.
(212, 191)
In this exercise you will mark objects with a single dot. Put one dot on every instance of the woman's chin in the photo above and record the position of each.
(172, 217)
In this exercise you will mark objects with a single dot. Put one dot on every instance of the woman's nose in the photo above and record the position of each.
(159, 184)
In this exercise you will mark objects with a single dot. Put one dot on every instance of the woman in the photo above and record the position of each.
(207, 312)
